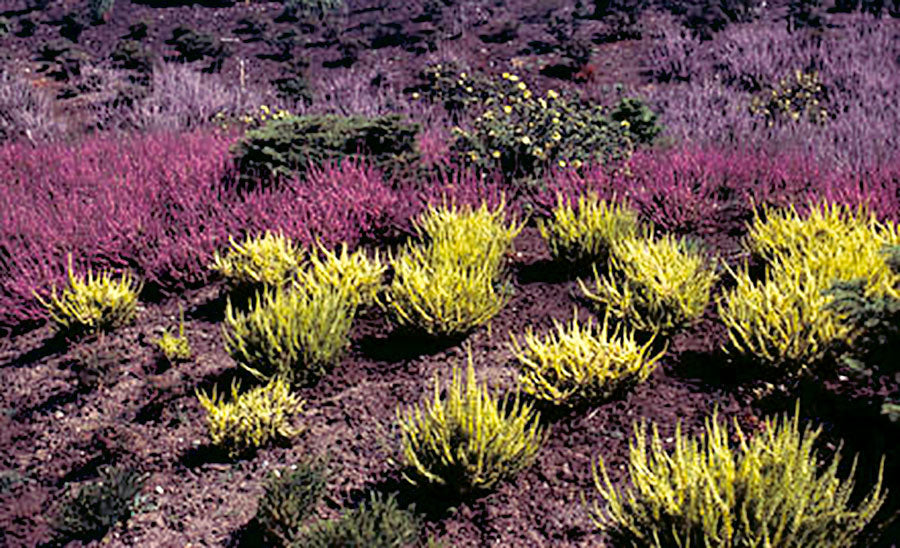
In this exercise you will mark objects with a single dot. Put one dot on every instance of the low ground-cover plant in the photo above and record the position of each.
(193, 45)
(90, 512)
(290, 498)
(656, 284)
(175, 348)
(768, 489)
(94, 302)
(584, 233)
(289, 146)
(378, 521)
(580, 364)
(251, 419)
(297, 334)
(447, 284)
(467, 440)
(267, 261)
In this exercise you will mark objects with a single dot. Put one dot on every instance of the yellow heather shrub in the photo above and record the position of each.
(92, 303)
(585, 233)
(655, 284)
(768, 490)
(580, 364)
(252, 419)
(355, 273)
(447, 284)
(468, 441)
(269, 260)
(175, 347)
(783, 320)
(298, 334)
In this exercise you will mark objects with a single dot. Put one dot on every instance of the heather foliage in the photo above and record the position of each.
(90, 512)
(446, 284)
(769, 489)
(580, 364)
(354, 274)
(290, 146)
(378, 521)
(298, 334)
(155, 205)
(26, 111)
(253, 419)
(584, 233)
(468, 440)
(655, 284)
(266, 261)
(93, 302)
(175, 348)
(290, 497)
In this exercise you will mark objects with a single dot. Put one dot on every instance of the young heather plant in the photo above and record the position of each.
(378, 521)
(655, 284)
(97, 506)
(584, 234)
(93, 303)
(769, 490)
(446, 285)
(290, 497)
(253, 419)
(176, 348)
(468, 441)
(355, 273)
(298, 334)
(266, 261)
(579, 364)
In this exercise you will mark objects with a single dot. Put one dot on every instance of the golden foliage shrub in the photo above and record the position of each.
(174, 347)
(354, 273)
(577, 364)
(655, 284)
(92, 303)
(253, 419)
(585, 233)
(298, 334)
(468, 441)
(767, 490)
(268, 260)
(449, 283)
(784, 320)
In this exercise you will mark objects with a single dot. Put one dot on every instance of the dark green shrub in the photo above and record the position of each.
(138, 31)
(454, 86)
(192, 46)
(133, 55)
(287, 147)
(378, 522)
(290, 498)
(26, 27)
(97, 506)
(637, 118)
(71, 27)
(296, 10)
(60, 60)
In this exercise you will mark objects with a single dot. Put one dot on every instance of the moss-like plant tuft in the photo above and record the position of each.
(468, 441)
(767, 490)
(91, 511)
(92, 303)
(378, 521)
(253, 419)
(580, 364)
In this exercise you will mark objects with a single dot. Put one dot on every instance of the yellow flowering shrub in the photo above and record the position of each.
(252, 419)
(768, 489)
(791, 99)
(585, 232)
(580, 364)
(91, 303)
(654, 284)
(447, 284)
(269, 260)
(468, 440)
